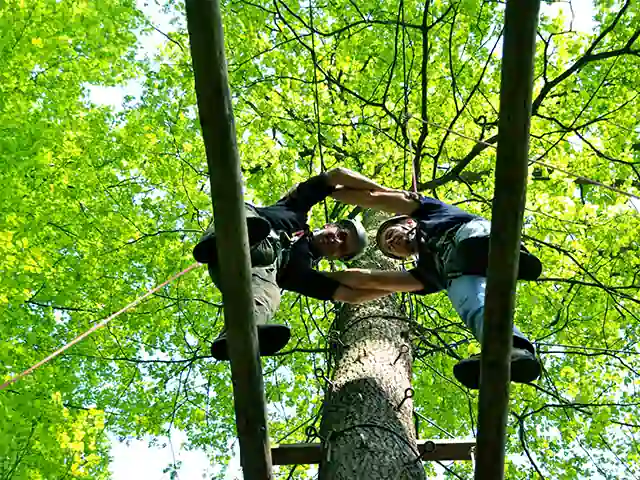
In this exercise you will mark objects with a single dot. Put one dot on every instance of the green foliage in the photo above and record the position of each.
(100, 205)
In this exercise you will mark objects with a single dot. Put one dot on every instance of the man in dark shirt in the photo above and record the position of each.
(284, 250)
(452, 248)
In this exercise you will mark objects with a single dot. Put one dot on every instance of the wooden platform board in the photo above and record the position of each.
(430, 450)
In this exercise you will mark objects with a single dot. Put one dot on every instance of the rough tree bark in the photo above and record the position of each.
(367, 424)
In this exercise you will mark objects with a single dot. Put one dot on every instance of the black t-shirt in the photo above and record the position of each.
(290, 214)
(435, 219)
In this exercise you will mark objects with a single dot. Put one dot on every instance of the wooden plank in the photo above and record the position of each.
(297, 454)
(430, 450)
(521, 18)
(206, 37)
(442, 450)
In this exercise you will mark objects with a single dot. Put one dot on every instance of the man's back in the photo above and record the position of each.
(291, 212)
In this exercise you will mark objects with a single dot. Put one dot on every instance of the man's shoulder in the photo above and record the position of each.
(426, 206)
(306, 194)
(429, 207)
(315, 183)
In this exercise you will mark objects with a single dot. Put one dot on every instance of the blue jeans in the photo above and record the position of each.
(467, 297)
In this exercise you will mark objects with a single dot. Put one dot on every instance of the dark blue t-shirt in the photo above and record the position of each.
(435, 219)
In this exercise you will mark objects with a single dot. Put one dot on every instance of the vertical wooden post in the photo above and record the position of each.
(521, 18)
(218, 129)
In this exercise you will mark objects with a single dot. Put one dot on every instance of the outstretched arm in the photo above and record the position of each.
(356, 189)
(305, 195)
(391, 201)
(387, 281)
(323, 286)
(358, 295)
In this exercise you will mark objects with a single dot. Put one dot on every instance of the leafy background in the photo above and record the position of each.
(99, 204)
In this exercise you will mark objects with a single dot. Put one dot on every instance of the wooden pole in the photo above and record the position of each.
(206, 36)
(521, 18)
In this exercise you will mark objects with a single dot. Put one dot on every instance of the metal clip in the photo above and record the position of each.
(319, 373)
(404, 349)
(429, 446)
(311, 433)
(408, 393)
(472, 456)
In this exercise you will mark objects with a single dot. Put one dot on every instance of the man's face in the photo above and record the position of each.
(333, 241)
(397, 239)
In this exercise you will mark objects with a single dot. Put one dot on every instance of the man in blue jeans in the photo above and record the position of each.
(452, 248)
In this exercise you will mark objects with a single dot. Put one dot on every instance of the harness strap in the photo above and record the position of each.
(283, 243)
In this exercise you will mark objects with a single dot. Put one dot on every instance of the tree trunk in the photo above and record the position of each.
(367, 425)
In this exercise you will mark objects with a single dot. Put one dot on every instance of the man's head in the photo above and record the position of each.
(395, 237)
(343, 240)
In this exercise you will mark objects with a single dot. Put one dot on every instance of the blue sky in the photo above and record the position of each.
(140, 462)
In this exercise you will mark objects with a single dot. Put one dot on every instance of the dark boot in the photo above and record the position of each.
(206, 249)
(472, 258)
(525, 368)
(271, 339)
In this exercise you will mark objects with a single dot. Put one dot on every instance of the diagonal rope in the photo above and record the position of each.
(96, 327)
(532, 160)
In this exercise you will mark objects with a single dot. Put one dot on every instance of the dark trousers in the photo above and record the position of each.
(266, 293)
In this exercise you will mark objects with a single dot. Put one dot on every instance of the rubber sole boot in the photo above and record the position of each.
(525, 368)
(271, 339)
(206, 250)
